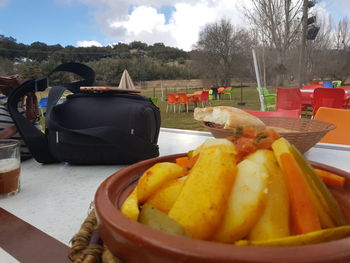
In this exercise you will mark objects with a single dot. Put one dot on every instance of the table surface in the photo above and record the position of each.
(55, 198)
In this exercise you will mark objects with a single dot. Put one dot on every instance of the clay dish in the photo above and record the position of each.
(133, 242)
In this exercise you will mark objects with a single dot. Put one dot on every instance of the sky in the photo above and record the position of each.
(175, 23)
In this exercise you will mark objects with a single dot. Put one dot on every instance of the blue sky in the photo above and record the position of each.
(101, 22)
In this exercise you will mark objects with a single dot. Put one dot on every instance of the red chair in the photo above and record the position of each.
(331, 98)
(204, 98)
(183, 100)
(171, 101)
(289, 99)
(280, 113)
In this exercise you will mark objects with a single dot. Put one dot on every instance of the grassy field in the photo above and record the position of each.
(185, 120)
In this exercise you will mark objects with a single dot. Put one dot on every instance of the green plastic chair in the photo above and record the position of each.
(269, 99)
(154, 100)
(228, 92)
(211, 96)
(336, 83)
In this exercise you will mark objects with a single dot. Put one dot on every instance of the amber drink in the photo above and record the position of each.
(9, 167)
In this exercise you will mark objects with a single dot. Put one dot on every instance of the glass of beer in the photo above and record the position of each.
(9, 167)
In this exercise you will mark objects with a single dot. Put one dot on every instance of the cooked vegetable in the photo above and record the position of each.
(303, 210)
(164, 198)
(155, 177)
(324, 196)
(202, 202)
(316, 237)
(130, 206)
(246, 202)
(331, 179)
(155, 219)
(274, 221)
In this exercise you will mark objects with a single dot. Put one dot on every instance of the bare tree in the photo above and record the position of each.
(278, 22)
(343, 34)
(219, 50)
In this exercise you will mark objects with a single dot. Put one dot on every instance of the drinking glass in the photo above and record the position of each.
(9, 167)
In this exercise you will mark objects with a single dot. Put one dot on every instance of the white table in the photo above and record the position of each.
(55, 198)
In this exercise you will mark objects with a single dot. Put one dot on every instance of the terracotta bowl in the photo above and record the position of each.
(133, 242)
(307, 132)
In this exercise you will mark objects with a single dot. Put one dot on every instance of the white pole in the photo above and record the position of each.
(261, 96)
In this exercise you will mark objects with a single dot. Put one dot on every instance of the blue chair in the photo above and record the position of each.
(43, 103)
(327, 84)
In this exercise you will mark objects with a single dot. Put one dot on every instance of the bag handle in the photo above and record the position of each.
(35, 140)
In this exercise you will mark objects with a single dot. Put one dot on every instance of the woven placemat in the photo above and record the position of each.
(86, 245)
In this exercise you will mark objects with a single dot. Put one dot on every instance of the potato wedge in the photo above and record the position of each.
(202, 202)
(274, 221)
(155, 219)
(246, 202)
(155, 177)
(164, 198)
(130, 207)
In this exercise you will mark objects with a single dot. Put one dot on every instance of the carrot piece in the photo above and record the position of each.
(182, 161)
(304, 217)
(192, 161)
(331, 179)
(249, 132)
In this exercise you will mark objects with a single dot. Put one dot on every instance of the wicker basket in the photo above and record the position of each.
(309, 132)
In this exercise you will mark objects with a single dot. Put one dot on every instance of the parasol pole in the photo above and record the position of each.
(261, 96)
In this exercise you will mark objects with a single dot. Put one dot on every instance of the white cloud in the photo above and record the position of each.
(142, 21)
(88, 43)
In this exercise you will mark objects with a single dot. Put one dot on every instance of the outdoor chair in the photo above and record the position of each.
(183, 100)
(211, 94)
(220, 92)
(339, 117)
(228, 92)
(327, 84)
(171, 101)
(154, 100)
(204, 98)
(280, 113)
(331, 98)
(336, 83)
(269, 99)
(289, 99)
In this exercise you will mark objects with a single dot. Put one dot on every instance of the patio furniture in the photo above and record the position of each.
(183, 99)
(339, 117)
(280, 113)
(228, 92)
(172, 100)
(220, 92)
(332, 98)
(269, 99)
(327, 84)
(154, 100)
(336, 83)
(211, 94)
(204, 98)
(289, 99)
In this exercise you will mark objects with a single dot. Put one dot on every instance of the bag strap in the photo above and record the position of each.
(35, 140)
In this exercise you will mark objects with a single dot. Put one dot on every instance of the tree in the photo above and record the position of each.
(218, 51)
(278, 23)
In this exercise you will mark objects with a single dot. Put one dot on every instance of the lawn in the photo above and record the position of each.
(185, 120)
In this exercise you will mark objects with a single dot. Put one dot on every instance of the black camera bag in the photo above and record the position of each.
(112, 127)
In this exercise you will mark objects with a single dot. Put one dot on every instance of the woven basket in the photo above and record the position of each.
(309, 132)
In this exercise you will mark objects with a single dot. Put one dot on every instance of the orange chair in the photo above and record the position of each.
(183, 100)
(220, 92)
(204, 98)
(289, 99)
(331, 98)
(280, 113)
(171, 101)
(340, 118)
